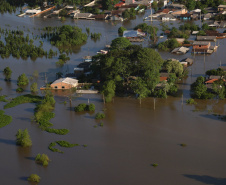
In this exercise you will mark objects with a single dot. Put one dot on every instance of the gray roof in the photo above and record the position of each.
(180, 50)
(214, 77)
(200, 43)
(204, 38)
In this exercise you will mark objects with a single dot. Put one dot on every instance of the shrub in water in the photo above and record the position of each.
(42, 159)
(90, 107)
(81, 107)
(100, 115)
(154, 164)
(191, 101)
(23, 138)
(34, 178)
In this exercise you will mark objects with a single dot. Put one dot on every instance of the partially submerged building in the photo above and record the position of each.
(64, 83)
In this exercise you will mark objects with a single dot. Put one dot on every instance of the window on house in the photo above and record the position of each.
(199, 45)
(55, 87)
(63, 87)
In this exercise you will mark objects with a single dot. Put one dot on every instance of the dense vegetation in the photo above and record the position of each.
(42, 159)
(43, 113)
(2, 98)
(67, 36)
(121, 29)
(34, 178)
(168, 45)
(95, 36)
(28, 98)
(130, 69)
(18, 45)
(216, 72)
(23, 138)
(4, 119)
(83, 107)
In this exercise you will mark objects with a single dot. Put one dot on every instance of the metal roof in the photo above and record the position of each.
(66, 80)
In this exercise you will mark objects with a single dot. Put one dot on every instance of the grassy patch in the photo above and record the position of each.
(4, 119)
(66, 144)
(51, 147)
(28, 98)
(43, 114)
(62, 144)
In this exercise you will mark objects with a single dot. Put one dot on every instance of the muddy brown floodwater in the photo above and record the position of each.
(133, 136)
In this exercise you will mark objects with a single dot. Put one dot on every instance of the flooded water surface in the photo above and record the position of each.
(133, 136)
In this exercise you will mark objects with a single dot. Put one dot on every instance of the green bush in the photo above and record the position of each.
(23, 138)
(90, 107)
(4, 119)
(81, 107)
(22, 80)
(191, 101)
(19, 90)
(34, 178)
(154, 164)
(42, 159)
(100, 115)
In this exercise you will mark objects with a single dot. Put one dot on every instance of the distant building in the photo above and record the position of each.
(64, 83)
(32, 12)
(180, 50)
(221, 7)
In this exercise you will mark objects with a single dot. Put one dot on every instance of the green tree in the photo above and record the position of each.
(121, 30)
(154, 5)
(23, 138)
(34, 87)
(139, 86)
(120, 43)
(22, 80)
(108, 90)
(191, 4)
(7, 72)
(173, 66)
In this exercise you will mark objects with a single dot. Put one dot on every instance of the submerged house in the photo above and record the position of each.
(200, 47)
(64, 83)
(180, 50)
(168, 17)
(206, 38)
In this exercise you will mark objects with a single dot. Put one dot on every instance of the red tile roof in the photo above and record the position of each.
(163, 79)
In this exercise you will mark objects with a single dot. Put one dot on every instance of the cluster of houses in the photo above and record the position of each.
(115, 15)
(212, 78)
